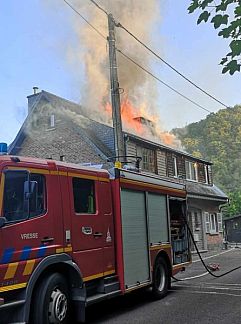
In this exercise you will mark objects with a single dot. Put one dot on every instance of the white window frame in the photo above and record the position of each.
(213, 222)
(206, 173)
(189, 165)
(148, 162)
(175, 172)
(52, 120)
(207, 221)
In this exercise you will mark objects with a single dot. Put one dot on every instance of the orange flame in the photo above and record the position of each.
(150, 130)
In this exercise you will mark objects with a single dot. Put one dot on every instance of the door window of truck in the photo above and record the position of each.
(84, 196)
(17, 205)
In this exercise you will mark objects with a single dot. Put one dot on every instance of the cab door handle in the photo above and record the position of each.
(98, 234)
(47, 239)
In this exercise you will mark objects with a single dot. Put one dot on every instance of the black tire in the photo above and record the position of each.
(161, 279)
(51, 303)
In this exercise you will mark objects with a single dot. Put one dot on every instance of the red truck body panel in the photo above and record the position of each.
(93, 240)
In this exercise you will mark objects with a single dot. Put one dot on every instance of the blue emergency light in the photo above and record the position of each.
(3, 148)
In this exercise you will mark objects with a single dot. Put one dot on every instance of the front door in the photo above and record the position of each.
(87, 226)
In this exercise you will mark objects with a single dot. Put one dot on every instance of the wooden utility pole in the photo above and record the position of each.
(115, 94)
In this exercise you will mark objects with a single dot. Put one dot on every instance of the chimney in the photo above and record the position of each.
(144, 121)
(33, 98)
(35, 90)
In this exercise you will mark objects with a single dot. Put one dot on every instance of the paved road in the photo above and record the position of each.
(201, 300)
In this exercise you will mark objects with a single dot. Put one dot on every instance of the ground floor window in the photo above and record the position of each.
(213, 222)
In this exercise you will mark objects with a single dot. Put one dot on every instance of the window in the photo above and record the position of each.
(206, 174)
(24, 195)
(175, 173)
(235, 225)
(191, 170)
(38, 202)
(213, 223)
(197, 221)
(84, 196)
(148, 159)
(52, 121)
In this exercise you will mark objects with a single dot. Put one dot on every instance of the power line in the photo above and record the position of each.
(98, 32)
(155, 77)
(137, 64)
(164, 61)
(99, 7)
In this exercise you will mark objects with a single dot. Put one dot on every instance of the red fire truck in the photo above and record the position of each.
(71, 236)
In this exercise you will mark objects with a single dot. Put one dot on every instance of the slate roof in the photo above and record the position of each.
(100, 135)
(166, 148)
(101, 138)
(204, 191)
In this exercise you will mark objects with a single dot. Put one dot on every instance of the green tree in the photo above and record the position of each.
(234, 207)
(218, 139)
(225, 15)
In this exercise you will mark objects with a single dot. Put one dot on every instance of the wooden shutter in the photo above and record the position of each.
(220, 223)
(207, 221)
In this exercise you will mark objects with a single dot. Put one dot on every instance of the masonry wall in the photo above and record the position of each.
(64, 139)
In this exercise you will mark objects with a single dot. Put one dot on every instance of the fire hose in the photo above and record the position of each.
(209, 268)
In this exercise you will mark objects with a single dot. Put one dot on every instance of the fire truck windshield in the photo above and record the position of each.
(13, 199)
(23, 196)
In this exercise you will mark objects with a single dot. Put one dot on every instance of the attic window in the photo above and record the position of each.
(191, 170)
(52, 120)
(148, 158)
(206, 173)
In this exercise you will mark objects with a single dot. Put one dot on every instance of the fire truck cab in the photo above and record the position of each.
(71, 236)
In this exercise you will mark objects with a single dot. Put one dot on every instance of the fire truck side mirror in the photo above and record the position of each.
(2, 221)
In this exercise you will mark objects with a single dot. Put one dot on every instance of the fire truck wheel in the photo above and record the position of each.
(161, 279)
(51, 301)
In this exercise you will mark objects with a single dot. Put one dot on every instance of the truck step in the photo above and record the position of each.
(113, 286)
(110, 279)
(98, 297)
(12, 304)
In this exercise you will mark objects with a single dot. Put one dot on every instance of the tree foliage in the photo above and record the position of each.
(225, 15)
(218, 139)
(234, 207)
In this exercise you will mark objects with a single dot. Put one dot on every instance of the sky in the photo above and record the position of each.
(35, 38)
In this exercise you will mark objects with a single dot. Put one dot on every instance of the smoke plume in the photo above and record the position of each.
(139, 89)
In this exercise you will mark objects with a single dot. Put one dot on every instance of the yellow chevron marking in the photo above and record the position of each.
(161, 246)
(60, 250)
(63, 173)
(68, 249)
(99, 275)
(106, 273)
(12, 268)
(29, 267)
(12, 287)
(53, 172)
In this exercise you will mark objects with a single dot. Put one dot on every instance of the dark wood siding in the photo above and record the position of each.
(170, 166)
(181, 167)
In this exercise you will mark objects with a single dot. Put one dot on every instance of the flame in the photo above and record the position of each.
(150, 130)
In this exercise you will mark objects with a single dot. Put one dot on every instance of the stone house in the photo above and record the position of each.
(59, 129)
